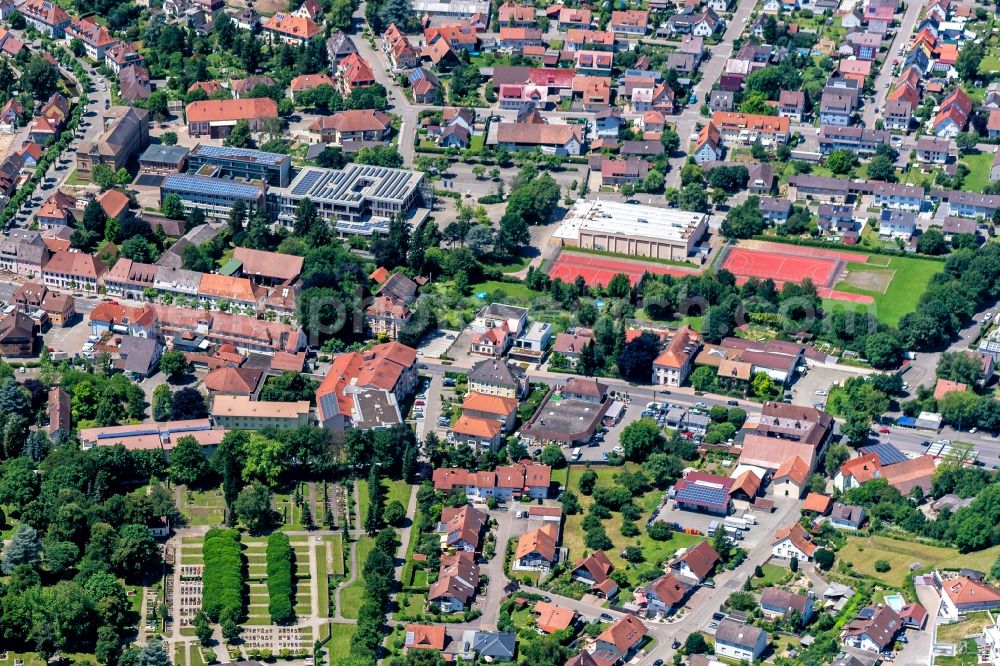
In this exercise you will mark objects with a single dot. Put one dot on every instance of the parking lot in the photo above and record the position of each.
(436, 343)
(755, 536)
(68, 338)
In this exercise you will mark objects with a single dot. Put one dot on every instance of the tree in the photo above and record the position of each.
(967, 141)
(188, 403)
(969, 60)
(553, 456)
(881, 168)
(153, 654)
(384, 156)
(168, 138)
(745, 220)
(841, 161)
(173, 364)
(587, 482)
(695, 643)
(836, 455)
(24, 548)
(793, 564)
(187, 462)
(960, 367)
(704, 378)
(135, 551)
(932, 242)
(162, 403)
(635, 362)
(172, 206)
(824, 558)
(203, 628)
(265, 459)
(762, 386)
(670, 140)
(693, 197)
(394, 513)
(253, 507)
(641, 438)
(882, 566)
(240, 136)
(883, 350)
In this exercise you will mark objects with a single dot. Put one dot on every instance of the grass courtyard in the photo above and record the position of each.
(353, 595)
(894, 283)
(863, 552)
(654, 551)
(979, 171)
(395, 490)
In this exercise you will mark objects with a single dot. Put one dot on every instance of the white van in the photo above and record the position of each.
(577, 454)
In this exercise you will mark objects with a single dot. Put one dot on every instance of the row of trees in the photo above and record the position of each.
(280, 579)
(378, 573)
(224, 578)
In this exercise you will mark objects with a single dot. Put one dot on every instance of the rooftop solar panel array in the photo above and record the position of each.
(355, 183)
(180, 182)
(887, 453)
(246, 154)
(703, 495)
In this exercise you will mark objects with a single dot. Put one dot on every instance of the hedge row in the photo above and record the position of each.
(280, 579)
(225, 575)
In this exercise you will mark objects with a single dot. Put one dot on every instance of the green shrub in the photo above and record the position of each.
(225, 574)
(280, 579)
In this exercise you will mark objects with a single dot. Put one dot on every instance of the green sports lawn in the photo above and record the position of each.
(910, 278)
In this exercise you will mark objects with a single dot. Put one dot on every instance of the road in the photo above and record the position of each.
(711, 70)
(91, 127)
(903, 33)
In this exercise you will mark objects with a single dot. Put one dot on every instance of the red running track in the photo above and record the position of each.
(747, 263)
(598, 270)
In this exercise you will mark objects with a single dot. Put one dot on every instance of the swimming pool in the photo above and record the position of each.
(895, 601)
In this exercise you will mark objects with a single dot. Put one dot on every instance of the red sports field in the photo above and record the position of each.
(784, 263)
(598, 270)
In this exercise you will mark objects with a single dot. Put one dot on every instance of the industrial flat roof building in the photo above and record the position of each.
(272, 168)
(454, 8)
(214, 196)
(642, 231)
(359, 200)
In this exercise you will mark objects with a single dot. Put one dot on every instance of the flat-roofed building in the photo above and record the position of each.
(244, 163)
(236, 411)
(359, 200)
(152, 436)
(215, 197)
(635, 229)
(161, 158)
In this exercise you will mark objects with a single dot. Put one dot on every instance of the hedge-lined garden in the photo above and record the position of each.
(224, 591)
(280, 579)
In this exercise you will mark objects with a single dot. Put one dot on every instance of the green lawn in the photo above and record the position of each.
(395, 490)
(654, 551)
(336, 546)
(969, 655)
(864, 552)
(910, 277)
(352, 595)
(340, 640)
(518, 292)
(971, 625)
(773, 575)
(204, 507)
(979, 171)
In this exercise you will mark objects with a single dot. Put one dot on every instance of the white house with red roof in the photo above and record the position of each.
(507, 482)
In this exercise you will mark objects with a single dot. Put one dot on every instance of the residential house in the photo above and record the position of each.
(17, 335)
(216, 118)
(953, 114)
(722, 100)
(593, 570)
(425, 86)
(96, 38)
(46, 17)
(290, 29)
(775, 210)
(139, 358)
(356, 73)
(847, 516)
(562, 140)
(23, 252)
(570, 344)
(619, 642)
(133, 83)
(552, 618)
(537, 549)
(457, 582)
(708, 146)
(933, 150)
(122, 55)
(749, 128)
(495, 377)
(425, 637)
(791, 542)
(401, 54)
(791, 105)
(740, 641)
(775, 603)
(73, 270)
(664, 594)
(962, 594)
(836, 108)
(790, 478)
(874, 629)
(673, 365)
(696, 564)
(632, 22)
(338, 47)
(462, 528)
(505, 483)
(354, 125)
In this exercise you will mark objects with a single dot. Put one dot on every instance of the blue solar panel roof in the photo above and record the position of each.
(887, 453)
(703, 495)
(242, 153)
(182, 182)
